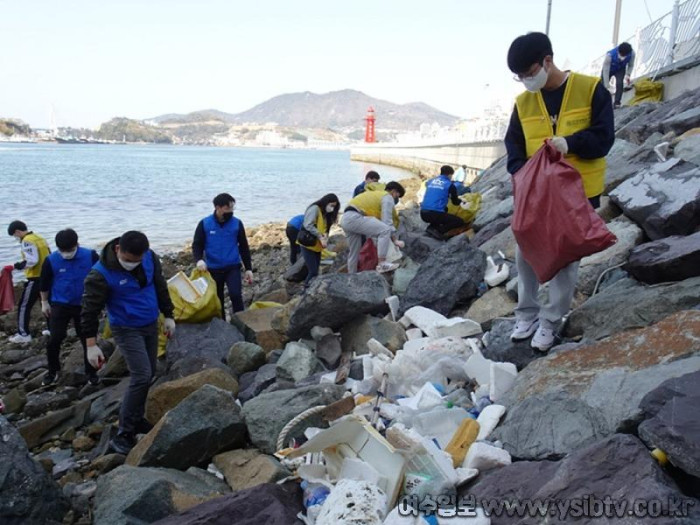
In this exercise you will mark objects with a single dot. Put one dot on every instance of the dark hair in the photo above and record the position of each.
(624, 48)
(331, 218)
(223, 199)
(66, 240)
(133, 242)
(395, 186)
(16, 226)
(527, 50)
(447, 170)
(372, 175)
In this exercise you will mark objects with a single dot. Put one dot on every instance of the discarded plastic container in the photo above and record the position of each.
(440, 424)
(496, 273)
(660, 456)
(462, 439)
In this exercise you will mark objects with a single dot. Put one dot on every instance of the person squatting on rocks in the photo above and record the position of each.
(34, 252)
(62, 277)
(128, 280)
(618, 63)
(219, 246)
(372, 176)
(579, 122)
(318, 219)
(433, 209)
(373, 214)
(292, 231)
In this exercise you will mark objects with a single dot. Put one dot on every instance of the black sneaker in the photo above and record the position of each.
(143, 426)
(50, 378)
(122, 443)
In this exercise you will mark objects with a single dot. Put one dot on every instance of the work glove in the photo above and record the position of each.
(324, 241)
(169, 327)
(201, 265)
(46, 309)
(399, 244)
(561, 144)
(20, 265)
(248, 277)
(95, 357)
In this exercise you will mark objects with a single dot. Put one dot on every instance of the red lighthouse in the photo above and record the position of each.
(369, 125)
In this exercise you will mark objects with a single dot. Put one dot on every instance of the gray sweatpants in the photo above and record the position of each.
(355, 225)
(561, 293)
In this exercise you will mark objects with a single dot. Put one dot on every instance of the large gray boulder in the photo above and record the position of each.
(488, 214)
(53, 424)
(136, 495)
(688, 149)
(202, 425)
(267, 504)
(419, 246)
(246, 357)
(211, 341)
(673, 426)
(629, 304)
(27, 492)
(618, 468)
(297, 362)
(356, 333)
(628, 236)
(573, 396)
(495, 176)
(264, 378)
(670, 259)
(449, 276)
(267, 414)
(663, 199)
(503, 241)
(619, 168)
(490, 230)
(333, 300)
(499, 347)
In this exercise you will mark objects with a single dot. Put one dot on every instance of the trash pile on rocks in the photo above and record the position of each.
(400, 399)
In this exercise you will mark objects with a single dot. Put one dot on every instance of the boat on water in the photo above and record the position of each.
(82, 140)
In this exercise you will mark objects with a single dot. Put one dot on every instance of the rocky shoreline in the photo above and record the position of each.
(610, 412)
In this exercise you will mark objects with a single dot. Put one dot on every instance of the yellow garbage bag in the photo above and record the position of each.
(646, 90)
(471, 204)
(259, 305)
(162, 339)
(203, 309)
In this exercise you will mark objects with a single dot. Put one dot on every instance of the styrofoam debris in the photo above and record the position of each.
(449, 345)
(405, 322)
(488, 420)
(353, 503)
(440, 423)
(466, 474)
(424, 318)
(478, 368)
(414, 333)
(483, 456)
(377, 348)
(427, 397)
(502, 378)
(455, 327)
(416, 345)
(394, 306)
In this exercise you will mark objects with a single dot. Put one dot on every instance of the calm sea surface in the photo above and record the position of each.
(104, 190)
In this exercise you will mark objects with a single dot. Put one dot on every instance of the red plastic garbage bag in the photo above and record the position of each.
(368, 257)
(7, 292)
(553, 222)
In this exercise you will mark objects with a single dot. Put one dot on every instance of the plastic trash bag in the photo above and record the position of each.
(646, 90)
(368, 257)
(553, 222)
(471, 204)
(203, 309)
(259, 305)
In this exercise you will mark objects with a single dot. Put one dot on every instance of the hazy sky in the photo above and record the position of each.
(92, 60)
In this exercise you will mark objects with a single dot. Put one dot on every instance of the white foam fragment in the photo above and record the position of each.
(502, 378)
(394, 306)
(483, 456)
(478, 368)
(416, 345)
(414, 333)
(377, 348)
(454, 327)
(424, 318)
(488, 420)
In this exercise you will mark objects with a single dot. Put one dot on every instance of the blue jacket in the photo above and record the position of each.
(221, 245)
(69, 275)
(296, 222)
(358, 189)
(615, 63)
(437, 192)
(128, 304)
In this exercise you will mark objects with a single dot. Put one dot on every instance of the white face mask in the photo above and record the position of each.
(68, 255)
(330, 208)
(537, 82)
(128, 266)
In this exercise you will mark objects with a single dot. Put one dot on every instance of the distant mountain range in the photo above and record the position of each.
(338, 110)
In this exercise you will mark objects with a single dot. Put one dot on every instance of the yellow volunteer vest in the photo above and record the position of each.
(370, 203)
(43, 248)
(375, 186)
(320, 226)
(574, 115)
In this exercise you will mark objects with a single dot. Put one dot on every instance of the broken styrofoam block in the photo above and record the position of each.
(358, 470)
(394, 306)
(353, 502)
(502, 379)
(427, 397)
(483, 456)
(488, 420)
(454, 327)
(465, 474)
(449, 346)
(416, 345)
(424, 318)
(478, 368)
(405, 322)
(377, 348)
(319, 332)
(414, 333)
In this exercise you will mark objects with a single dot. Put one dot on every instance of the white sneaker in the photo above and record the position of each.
(523, 330)
(543, 340)
(387, 267)
(20, 339)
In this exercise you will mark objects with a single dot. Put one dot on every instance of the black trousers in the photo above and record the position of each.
(441, 221)
(61, 316)
(30, 294)
(619, 84)
(231, 277)
(292, 233)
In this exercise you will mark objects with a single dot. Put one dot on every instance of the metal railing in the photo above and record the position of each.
(669, 40)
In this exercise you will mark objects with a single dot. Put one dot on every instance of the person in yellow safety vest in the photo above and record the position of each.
(34, 252)
(373, 214)
(318, 219)
(574, 111)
